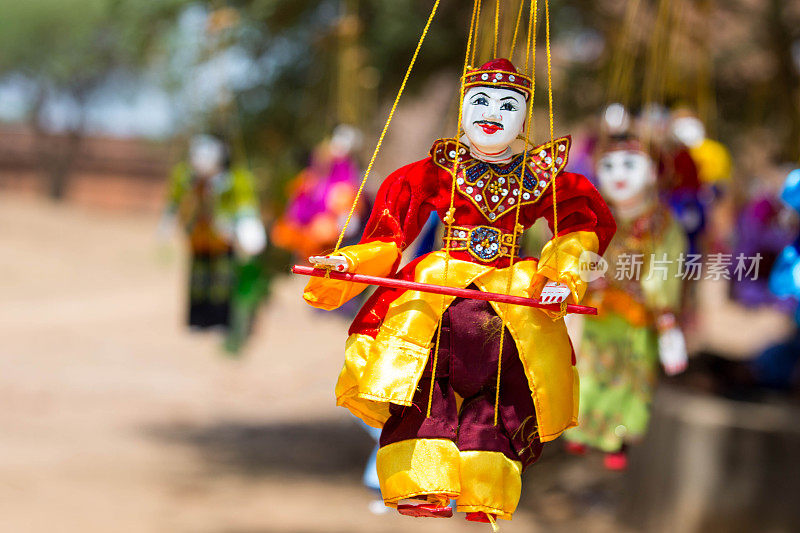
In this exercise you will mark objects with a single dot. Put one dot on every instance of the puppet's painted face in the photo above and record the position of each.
(492, 117)
(206, 155)
(625, 175)
(689, 130)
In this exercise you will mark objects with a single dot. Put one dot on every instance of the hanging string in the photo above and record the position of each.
(229, 106)
(551, 114)
(657, 62)
(496, 27)
(620, 86)
(474, 32)
(530, 61)
(706, 96)
(448, 219)
(385, 127)
(674, 84)
(348, 88)
(516, 30)
(653, 55)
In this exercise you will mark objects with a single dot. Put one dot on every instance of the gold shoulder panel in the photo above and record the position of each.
(550, 157)
(444, 153)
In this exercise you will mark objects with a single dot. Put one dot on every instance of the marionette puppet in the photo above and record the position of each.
(714, 168)
(613, 120)
(678, 178)
(764, 230)
(779, 366)
(712, 158)
(466, 399)
(217, 207)
(636, 325)
(784, 281)
(321, 196)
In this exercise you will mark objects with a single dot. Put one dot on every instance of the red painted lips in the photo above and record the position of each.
(489, 127)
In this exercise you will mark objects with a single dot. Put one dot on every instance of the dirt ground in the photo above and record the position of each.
(114, 418)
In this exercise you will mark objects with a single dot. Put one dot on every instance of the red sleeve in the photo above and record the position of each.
(403, 204)
(580, 208)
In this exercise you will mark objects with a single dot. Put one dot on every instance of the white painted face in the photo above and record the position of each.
(625, 175)
(205, 155)
(345, 140)
(492, 117)
(616, 119)
(689, 130)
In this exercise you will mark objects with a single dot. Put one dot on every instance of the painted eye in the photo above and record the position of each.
(480, 101)
(508, 106)
(629, 164)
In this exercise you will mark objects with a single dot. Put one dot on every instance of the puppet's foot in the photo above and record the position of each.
(425, 510)
(486, 518)
(616, 461)
(479, 516)
(435, 506)
(575, 448)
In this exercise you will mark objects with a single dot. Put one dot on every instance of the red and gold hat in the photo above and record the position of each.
(626, 142)
(620, 143)
(499, 73)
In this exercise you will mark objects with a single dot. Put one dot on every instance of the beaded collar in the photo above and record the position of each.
(494, 188)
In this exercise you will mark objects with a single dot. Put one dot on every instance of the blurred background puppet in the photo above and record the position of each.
(638, 296)
(216, 205)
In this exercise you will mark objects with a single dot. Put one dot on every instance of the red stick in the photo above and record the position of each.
(439, 289)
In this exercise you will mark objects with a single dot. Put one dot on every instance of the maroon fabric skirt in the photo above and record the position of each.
(467, 366)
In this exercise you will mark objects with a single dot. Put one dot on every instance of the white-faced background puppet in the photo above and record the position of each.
(627, 179)
(619, 349)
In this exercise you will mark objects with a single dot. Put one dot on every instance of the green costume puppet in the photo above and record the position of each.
(637, 298)
(217, 206)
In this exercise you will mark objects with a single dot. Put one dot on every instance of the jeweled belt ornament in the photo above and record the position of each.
(484, 243)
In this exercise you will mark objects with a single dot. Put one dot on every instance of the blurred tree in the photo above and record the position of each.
(298, 45)
(66, 49)
(290, 48)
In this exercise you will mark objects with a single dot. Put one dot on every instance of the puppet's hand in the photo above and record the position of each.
(327, 293)
(250, 235)
(338, 263)
(554, 293)
(372, 259)
(672, 351)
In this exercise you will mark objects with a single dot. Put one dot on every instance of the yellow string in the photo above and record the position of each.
(657, 61)
(516, 30)
(448, 219)
(386, 126)
(674, 85)
(706, 96)
(530, 61)
(624, 57)
(552, 137)
(474, 29)
(496, 27)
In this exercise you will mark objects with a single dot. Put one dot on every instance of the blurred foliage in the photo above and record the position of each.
(732, 60)
(295, 108)
(64, 49)
(73, 44)
(295, 50)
